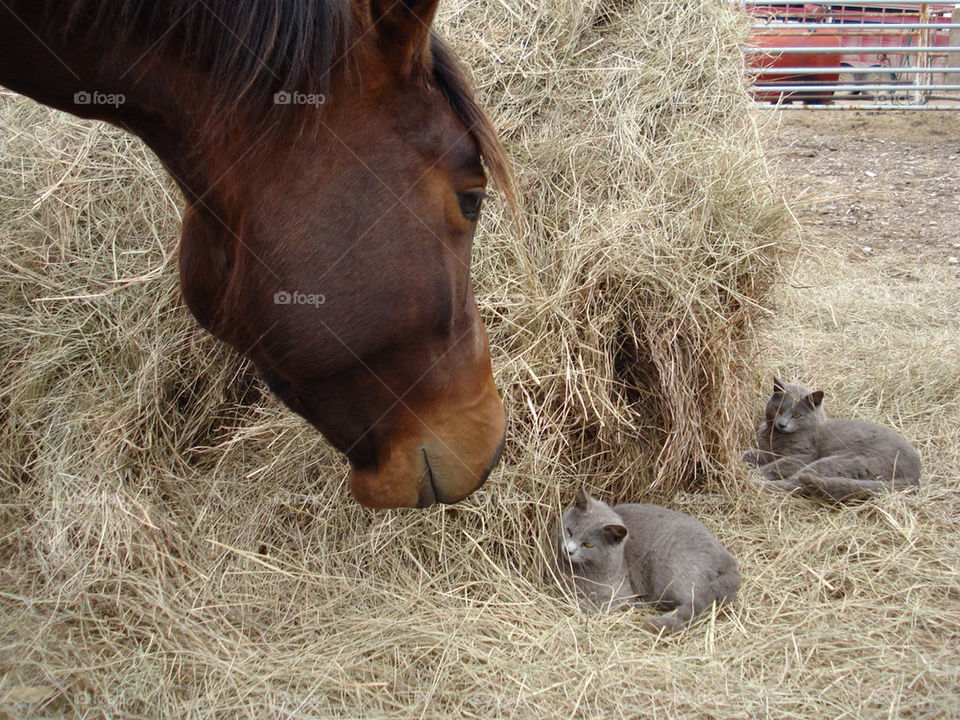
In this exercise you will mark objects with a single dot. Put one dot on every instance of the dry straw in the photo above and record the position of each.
(176, 544)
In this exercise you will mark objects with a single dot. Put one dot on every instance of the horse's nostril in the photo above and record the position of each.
(428, 490)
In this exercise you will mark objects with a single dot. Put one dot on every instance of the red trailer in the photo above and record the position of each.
(771, 57)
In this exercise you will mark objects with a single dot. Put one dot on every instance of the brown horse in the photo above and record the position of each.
(332, 159)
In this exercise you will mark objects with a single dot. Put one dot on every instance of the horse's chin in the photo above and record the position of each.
(392, 489)
(418, 475)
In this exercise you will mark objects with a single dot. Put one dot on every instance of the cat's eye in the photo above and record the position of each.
(569, 532)
(796, 415)
(588, 544)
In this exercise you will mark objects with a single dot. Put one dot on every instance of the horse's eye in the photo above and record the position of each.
(470, 203)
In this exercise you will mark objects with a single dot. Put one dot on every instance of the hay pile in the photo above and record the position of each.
(174, 543)
(623, 321)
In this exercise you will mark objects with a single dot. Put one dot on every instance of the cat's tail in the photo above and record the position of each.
(841, 489)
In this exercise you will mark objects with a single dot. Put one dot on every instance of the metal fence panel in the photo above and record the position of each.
(876, 55)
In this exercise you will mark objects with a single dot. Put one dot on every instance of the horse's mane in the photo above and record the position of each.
(255, 48)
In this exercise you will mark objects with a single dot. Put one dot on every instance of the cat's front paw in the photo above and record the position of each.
(752, 457)
(783, 486)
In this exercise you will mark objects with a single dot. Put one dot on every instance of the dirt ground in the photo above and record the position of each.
(879, 182)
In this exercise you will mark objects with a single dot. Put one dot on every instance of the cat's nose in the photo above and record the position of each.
(571, 546)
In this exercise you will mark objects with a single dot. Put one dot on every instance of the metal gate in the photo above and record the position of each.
(901, 55)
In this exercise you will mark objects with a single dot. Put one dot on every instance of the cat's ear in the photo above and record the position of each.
(583, 500)
(815, 398)
(777, 385)
(614, 533)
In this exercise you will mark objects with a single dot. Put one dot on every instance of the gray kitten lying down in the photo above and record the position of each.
(628, 554)
(798, 448)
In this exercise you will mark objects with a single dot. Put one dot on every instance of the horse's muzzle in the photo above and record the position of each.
(431, 492)
(441, 455)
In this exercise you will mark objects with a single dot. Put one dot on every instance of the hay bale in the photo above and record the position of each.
(624, 320)
(175, 541)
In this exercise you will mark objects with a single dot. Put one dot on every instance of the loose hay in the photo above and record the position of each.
(174, 543)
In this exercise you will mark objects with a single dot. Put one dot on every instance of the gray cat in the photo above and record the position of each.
(838, 460)
(628, 554)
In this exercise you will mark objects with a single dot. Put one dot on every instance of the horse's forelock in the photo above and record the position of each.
(453, 82)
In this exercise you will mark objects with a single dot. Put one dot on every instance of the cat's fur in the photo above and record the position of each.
(628, 554)
(798, 448)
